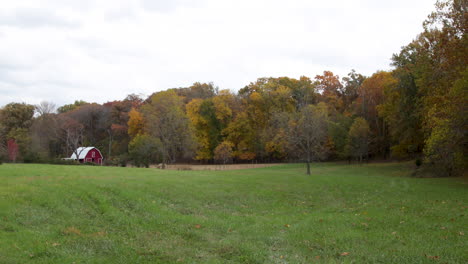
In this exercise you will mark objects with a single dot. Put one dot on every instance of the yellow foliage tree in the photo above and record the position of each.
(135, 123)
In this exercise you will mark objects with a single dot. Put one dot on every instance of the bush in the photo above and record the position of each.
(32, 157)
(121, 161)
(111, 162)
(144, 150)
(418, 162)
(63, 162)
(89, 163)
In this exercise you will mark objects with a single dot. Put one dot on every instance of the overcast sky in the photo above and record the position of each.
(102, 50)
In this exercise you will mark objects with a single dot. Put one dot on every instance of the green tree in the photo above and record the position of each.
(357, 144)
(446, 147)
(166, 121)
(338, 127)
(145, 150)
(350, 92)
(69, 107)
(15, 123)
(437, 62)
(402, 107)
(16, 115)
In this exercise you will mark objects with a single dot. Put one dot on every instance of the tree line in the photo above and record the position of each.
(415, 111)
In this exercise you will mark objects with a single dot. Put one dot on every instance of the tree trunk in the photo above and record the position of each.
(110, 142)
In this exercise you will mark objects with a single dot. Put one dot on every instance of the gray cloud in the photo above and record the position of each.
(66, 50)
(165, 6)
(35, 18)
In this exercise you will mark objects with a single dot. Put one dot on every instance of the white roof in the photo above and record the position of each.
(82, 152)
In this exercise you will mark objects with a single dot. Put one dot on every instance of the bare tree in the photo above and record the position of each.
(90, 116)
(44, 108)
(72, 135)
(307, 133)
(44, 134)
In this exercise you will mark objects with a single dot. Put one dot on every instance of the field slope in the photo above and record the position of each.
(341, 214)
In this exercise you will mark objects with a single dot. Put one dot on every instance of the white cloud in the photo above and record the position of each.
(62, 51)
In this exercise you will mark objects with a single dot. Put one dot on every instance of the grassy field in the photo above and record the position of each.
(341, 214)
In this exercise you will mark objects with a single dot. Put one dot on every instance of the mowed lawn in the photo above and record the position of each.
(373, 213)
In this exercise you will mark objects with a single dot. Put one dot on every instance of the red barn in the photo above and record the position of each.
(87, 154)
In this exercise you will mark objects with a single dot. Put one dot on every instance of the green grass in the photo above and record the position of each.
(86, 214)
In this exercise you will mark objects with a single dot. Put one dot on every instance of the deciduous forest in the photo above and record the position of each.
(418, 110)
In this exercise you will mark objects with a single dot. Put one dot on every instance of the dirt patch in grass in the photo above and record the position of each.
(215, 167)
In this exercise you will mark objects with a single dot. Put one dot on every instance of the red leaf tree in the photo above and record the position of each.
(12, 150)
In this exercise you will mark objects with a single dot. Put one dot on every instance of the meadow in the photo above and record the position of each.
(374, 213)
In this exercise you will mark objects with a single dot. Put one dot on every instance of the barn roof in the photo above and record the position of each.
(82, 152)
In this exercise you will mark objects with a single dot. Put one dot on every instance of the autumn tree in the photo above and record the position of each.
(196, 91)
(446, 147)
(307, 133)
(208, 127)
(135, 123)
(265, 102)
(224, 152)
(241, 134)
(116, 122)
(210, 117)
(442, 49)
(331, 90)
(277, 144)
(371, 95)
(303, 91)
(15, 122)
(401, 108)
(16, 115)
(69, 107)
(203, 90)
(434, 68)
(350, 91)
(167, 122)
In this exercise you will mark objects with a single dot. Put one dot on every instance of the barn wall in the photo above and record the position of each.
(94, 154)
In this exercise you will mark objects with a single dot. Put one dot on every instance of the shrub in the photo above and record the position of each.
(120, 160)
(63, 162)
(144, 150)
(32, 157)
(418, 162)
(123, 160)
